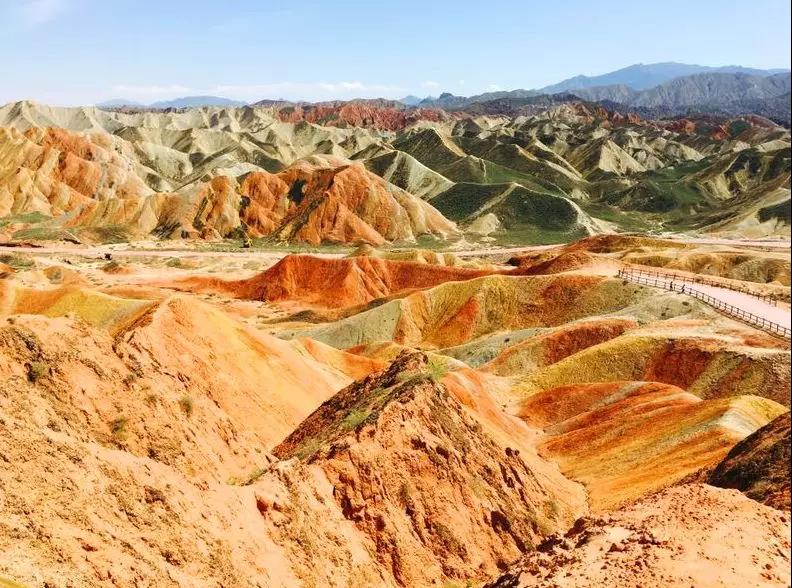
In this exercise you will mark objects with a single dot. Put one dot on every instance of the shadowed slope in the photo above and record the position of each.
(758, 465)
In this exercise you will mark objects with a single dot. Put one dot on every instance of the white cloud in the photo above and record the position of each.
(308, 91)
(37, 12)
(430, 84)
(153, 92)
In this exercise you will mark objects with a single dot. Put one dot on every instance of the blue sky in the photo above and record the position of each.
(82, 51)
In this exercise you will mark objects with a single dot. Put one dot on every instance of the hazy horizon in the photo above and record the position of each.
(72, 52)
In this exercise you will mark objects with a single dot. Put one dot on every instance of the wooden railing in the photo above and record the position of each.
(699, 279)
(729, 309)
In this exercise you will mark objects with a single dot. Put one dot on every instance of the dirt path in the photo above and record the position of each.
(123, 250)
(777, 314)
(268, 255)
(100, 251)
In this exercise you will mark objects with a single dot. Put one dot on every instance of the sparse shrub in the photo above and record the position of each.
(553, 510)
(174, 262)
(111, 267)
(37, 370)
(405, 495)
(254, 475)
(467, 584)
(477, 486)
(436, 370)
(354, 418)
(18, 262)
(118, 426)
(186, 404)
(150, 399)
(449, 540)
(308, 449)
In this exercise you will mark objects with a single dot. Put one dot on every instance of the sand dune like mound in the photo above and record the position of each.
(709, 367)
(459, 312)
(693, 535)
(759, 465)
(556, 344)
(332, 283)
(624, 440)
(733, 265)
(226, 361)
(547, 264)
(99, 310)
(181, 352)
(354, 366)
(335, 283)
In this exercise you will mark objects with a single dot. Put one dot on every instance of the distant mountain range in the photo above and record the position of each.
(644, 76)
(657, 89)
(183, 102)
(411, 100)
(726, 90)
(622, 85)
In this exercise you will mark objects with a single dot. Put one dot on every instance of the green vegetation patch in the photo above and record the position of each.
(349, 411)
(97, 309)
(17, 261)
(45, 234)
(26, 217)
(106, 234)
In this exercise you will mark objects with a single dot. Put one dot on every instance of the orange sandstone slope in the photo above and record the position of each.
(693, 535)
(338, 283)
(328, 199)
(129, 475)
(244, 389)
(624, 440)
(54, 171)
(555, 344)
(106, 447)
(434, 489)
(96, 180)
